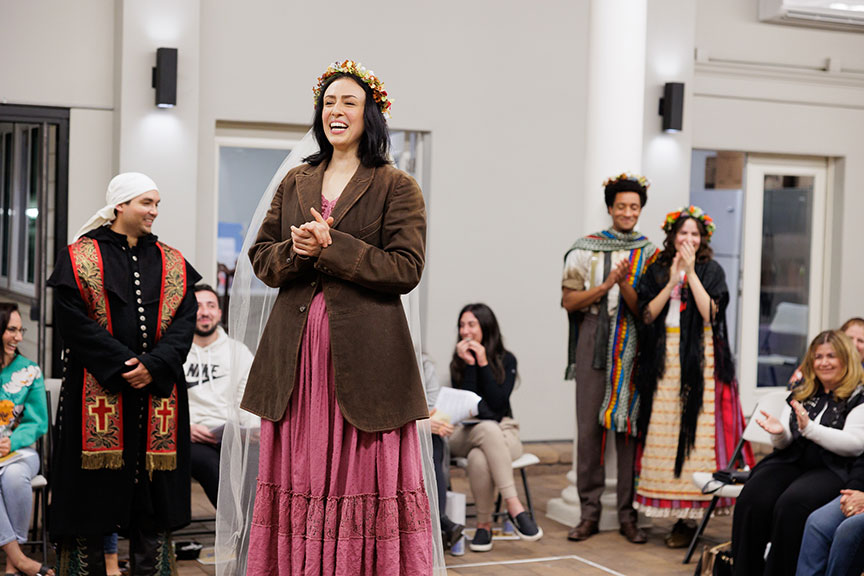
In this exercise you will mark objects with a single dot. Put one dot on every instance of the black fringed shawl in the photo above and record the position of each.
(651, 362)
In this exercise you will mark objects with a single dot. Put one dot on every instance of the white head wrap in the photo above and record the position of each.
(122, 188)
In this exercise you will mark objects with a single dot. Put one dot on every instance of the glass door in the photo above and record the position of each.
(783, 270)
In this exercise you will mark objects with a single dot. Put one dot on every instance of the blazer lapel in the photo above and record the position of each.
(309, 182)
(356, 187)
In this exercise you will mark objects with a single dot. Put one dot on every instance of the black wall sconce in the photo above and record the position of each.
(165, 77)
(672, 106)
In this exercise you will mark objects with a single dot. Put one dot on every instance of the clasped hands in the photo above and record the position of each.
(772, 425)
(684, 261)
(472, 352)
(851, 502)
(138, 377)
(313, 236)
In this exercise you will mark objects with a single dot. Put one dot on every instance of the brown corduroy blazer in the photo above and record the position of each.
(377, 254)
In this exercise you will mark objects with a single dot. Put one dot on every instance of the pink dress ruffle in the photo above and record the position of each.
(332, 499)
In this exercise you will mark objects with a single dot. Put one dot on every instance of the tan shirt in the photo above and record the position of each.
(584, 270)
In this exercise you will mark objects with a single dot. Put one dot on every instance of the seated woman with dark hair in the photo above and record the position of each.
(23, 419)
(817, 438)
(482, 365)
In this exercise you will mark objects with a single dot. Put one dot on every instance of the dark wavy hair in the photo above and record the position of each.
(623, 185)
(703, 254)
(492, 341)
(6, 310)
(374, 147)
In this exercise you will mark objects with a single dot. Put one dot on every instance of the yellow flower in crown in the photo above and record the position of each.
(6, 407)
(379, 94)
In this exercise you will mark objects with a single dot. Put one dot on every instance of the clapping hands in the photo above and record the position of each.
(769, 423)
(313, 236)
(620, 273)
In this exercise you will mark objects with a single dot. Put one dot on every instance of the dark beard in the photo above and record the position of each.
(206, 333)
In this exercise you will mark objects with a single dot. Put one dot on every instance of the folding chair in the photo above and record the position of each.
(772, 402)
(39, 484)
(525, 460)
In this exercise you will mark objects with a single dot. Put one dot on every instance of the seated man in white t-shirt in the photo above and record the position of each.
(208, 369)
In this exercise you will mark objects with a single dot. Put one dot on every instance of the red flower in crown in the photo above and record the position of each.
(379, 94)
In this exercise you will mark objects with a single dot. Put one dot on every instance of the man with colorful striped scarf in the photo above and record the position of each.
(600, 273)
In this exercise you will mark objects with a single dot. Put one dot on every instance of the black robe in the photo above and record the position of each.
(651, 361)
(95, 502)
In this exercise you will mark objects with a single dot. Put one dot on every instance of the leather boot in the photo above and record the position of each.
(584, 530)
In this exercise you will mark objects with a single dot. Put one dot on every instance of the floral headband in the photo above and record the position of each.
(690, 212)
(641, 180)
(359, 71)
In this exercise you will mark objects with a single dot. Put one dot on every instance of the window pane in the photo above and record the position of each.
(5, 196)
(784, 294)
(32, 211)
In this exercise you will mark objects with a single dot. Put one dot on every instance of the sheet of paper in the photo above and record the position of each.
(9, 458)
(455, 405)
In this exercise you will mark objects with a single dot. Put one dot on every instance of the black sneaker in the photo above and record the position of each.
(482, 541)
(526, 528)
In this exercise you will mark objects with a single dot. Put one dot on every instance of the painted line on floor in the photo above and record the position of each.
(533, 560)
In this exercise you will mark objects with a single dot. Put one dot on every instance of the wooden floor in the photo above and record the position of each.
(606, 553)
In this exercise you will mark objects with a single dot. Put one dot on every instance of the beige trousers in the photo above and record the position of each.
(490, 448)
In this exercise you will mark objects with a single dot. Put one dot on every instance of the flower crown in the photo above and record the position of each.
(642, 180)
(359, 71)
(690, 212)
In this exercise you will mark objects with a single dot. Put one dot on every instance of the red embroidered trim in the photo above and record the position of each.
(101, 410)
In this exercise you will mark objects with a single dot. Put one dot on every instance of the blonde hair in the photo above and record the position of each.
(846, 353)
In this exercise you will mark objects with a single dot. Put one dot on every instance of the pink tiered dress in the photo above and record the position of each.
(332, 499)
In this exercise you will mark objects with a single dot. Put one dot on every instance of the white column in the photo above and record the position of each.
(616, 104)
(160, 142)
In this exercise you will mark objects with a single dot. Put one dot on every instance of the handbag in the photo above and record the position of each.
(715, 561)
(731, 476)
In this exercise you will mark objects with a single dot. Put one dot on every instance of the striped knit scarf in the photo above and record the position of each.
(621, 401)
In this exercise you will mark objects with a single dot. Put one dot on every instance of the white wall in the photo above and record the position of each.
(91, 137)
(57, 53)
(759, 88)
(500, 87)
(162, 143)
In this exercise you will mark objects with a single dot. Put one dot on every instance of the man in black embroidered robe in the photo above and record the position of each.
(126, 316)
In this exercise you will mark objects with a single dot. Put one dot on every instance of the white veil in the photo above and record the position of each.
(250, 305)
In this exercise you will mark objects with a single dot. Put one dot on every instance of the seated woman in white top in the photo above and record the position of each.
(817, 438)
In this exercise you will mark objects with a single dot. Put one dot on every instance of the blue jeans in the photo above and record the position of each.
(16, 498)
(109, 543)
(831, 543)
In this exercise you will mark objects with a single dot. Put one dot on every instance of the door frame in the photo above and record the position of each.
(757, 167)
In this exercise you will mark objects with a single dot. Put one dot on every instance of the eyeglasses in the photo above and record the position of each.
(14, 331)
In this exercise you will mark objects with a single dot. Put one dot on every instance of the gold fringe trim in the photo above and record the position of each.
(112, 460)
(161, 462)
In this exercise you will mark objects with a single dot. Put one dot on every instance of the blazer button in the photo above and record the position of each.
(312, 283)
(288, 259)
(302, 308)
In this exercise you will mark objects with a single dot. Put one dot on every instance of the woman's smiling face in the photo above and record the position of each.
(342, 115)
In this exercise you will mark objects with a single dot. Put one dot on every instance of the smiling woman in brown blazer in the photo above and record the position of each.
(335, 377)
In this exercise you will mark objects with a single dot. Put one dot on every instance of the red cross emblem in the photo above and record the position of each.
(165, 412)
(101, 410)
